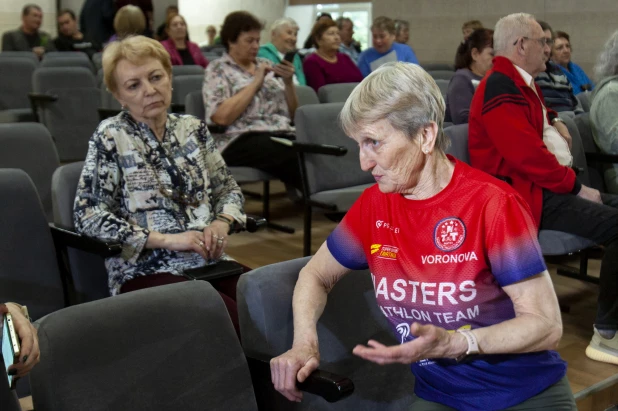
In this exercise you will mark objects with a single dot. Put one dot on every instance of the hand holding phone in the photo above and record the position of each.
(289, 57)
(10, 346)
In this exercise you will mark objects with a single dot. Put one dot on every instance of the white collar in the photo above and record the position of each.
(525, 75)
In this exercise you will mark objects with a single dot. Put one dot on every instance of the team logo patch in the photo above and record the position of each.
(388, 252)
(449, 234)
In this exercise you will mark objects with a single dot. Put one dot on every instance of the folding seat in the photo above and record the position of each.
(15, 84)
(335, 93)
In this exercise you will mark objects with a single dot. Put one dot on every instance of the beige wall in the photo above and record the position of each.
(435, 25)
(10, 15)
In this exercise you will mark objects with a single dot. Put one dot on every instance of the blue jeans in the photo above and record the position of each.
(599, 223)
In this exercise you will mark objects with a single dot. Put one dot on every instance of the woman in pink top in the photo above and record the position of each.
(327, 65)
(182, 51)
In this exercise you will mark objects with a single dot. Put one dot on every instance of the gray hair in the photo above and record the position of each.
(402, 93)
(510, 27)
(342, 20)
(607, 63)
(283, 22)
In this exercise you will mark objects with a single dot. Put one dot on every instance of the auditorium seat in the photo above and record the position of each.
(335, 93)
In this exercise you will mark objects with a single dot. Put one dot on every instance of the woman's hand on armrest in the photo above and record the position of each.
(187, 241)
(292, 366)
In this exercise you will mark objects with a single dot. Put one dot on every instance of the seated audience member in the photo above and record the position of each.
(147, 9)
(442, 210)
(129, 21)
(346, 33)
(70, 38)
(211, 33)
(561, 55)
(96, 20)
(402, 31)
(557, 91)
(309, 42)
(182, 51)
(161, 33)
(327, 65)
(384, 47)
(473, 60)
(254, 99)
(29, 342)
(28, 37)
(154, 182)
(605, 107)
(468, 28)
(283, 34)
(511, 137)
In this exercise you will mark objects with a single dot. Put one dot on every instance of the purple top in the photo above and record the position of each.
(459, 95)
(320, 72)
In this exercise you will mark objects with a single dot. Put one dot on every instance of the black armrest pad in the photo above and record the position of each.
(311, 148)
(602, 158)
(42, 97)
(254, 223)
(107, 113)
(72, 239)
(178, 108)
(331, 387)
(216, 128)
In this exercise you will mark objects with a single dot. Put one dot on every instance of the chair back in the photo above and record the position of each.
(351, 317)
(577, 150)
(596, 171)
(15, 82)
(29, 271)
(335, 93)
(319, 124)
(88, 273)
(97, 60)
(20, 54)
(183, 85)
(29, 147)
(441, 74)
(194, 104)
(73, 117)
(67, 59)
(584, 100)
(163, 348)
(458, 136)
(438, 66)
(306, 95)
(187, 70)
(443, 85)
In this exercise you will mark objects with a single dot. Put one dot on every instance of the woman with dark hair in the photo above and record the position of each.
(321, 17)
(473, 60)
(253, 98)
(327, 65)
(182, 51)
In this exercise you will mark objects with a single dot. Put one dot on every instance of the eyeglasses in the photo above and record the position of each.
(542, 41)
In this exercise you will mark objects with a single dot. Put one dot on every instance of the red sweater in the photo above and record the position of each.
(506, 137)
(193, 48)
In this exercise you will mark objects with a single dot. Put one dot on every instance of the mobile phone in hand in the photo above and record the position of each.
(289, 56)
(10, 346)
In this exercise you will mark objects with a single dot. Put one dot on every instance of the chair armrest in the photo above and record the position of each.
(107, 113)
(36, 98)
(602, 158)
(311, 148)
(68, 238)
(331, 387)
(216, 128)
(178, 107)
(253, 224)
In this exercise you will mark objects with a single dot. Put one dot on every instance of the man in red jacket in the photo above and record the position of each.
(514, 137)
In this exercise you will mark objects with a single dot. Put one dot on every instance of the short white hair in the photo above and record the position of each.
(509, 28)
(607, 63)
(402, 93)
(283, 22)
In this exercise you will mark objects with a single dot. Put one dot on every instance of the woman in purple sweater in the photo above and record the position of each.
(327, 65)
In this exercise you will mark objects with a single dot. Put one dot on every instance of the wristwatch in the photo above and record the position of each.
(557, 120)
(473, 345)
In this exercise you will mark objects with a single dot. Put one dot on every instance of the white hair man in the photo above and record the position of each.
(512, 139)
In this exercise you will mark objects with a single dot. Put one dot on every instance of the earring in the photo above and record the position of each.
(426, 151)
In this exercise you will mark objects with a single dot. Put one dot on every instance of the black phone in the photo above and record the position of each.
(289, 56)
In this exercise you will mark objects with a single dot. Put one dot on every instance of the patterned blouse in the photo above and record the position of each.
(267, 112)
(132, 184)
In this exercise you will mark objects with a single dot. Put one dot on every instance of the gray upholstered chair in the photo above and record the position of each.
(67, 59)
(330, 183)
(97, 60)
(167, 348)
(443, 85)
(437, 66)
(187, 70)
(15, 84)
(306, 95)
(29, 270)
(194, 104)
(458, 148)
(68, 100)
(441, 74)
(23, 54)
(29, 147)
(335, 93)
(89, 277)
(597, 161)
(584, 100)
(351, 317)
(182, 86)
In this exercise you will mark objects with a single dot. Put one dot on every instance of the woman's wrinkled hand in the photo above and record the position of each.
(187, 241)
(285, 70)
(215, 238)
(292, 366)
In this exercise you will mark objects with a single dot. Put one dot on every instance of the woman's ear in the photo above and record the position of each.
(475, 53)
(429, 137)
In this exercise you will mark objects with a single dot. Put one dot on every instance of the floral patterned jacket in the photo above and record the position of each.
(267, 112)
(132, 184)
